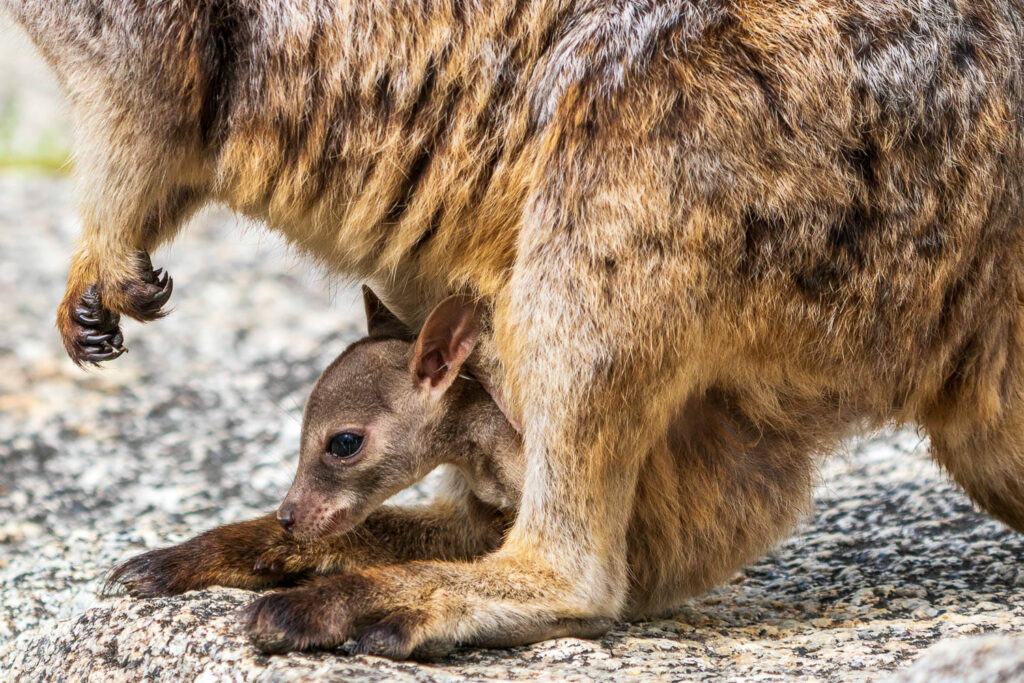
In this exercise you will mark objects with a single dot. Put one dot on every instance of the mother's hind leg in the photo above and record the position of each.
(987, 460)
(718, 492)
(977, 426)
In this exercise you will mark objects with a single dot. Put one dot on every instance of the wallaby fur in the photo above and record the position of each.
(333, 517)
(765, 224)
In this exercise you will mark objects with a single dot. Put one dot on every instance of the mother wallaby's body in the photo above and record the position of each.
(781, 221)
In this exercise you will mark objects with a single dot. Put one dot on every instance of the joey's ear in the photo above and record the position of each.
(381, 322)
(444, 343)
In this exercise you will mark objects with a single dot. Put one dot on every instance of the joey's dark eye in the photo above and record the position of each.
(345, 444)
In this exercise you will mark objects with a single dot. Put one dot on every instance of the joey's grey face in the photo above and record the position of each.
(359, 440)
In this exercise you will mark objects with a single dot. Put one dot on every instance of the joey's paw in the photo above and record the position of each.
(282, 561)
(145, 295)
(92, 334)
(156, 574)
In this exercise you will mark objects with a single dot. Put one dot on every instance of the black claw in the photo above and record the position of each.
(83, 319)
(96, 339)
(101, 357)
(165, 293)
(95, 348)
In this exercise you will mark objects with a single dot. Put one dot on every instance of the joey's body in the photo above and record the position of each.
(780, 222)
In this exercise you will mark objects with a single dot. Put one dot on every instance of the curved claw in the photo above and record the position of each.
(167, 287)
(98, 339)
(85, 320)
(101, 357)
(90, 312)
(265, 567)
(150, 293)
(96, 336)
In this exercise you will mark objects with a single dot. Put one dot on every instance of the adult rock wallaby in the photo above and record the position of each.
(775, 222)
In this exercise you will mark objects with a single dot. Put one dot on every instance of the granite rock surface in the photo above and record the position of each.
(986, 659)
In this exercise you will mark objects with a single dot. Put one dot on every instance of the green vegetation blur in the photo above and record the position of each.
(35, 129)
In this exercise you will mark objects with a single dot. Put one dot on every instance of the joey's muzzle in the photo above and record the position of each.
(286, 516)
(312, 516)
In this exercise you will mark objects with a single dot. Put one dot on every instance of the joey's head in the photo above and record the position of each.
(377, 419)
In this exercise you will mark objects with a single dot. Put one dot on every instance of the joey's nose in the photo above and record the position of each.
(286, 517)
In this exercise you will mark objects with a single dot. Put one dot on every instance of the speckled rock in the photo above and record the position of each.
(990, 659)
(198, 426)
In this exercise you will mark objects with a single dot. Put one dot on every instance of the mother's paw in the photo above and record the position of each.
(400, 636)
(143, 296)
(91, 333)
(89, 318)
(332, 610)
(295, 619)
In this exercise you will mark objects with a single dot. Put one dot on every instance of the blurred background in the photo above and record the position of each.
(198, 425)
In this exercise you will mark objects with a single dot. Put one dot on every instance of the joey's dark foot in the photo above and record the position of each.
(288, 558)
(146, 294)
(195, 564)
(93, 333)
(156, 574)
